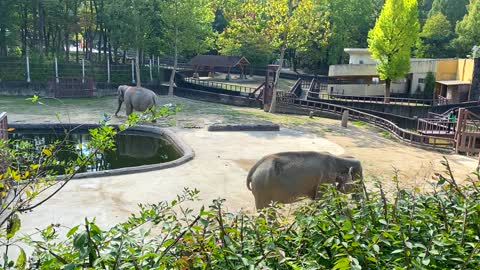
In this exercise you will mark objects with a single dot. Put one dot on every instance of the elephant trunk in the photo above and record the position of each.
(119, 106)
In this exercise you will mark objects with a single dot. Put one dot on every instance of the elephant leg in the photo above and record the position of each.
(261, 202)
(129, 109)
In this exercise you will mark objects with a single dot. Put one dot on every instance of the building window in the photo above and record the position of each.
(421, 80)
(375, 80)
(361, 62)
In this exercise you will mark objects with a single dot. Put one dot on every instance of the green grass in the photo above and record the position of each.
(359, 123)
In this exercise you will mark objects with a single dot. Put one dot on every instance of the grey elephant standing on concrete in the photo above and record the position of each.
(284, 177)
(135, 98)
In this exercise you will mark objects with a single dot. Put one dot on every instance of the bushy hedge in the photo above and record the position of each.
(408, 230)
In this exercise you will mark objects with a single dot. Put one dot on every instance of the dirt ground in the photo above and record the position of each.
(380, 154)
(222, 159)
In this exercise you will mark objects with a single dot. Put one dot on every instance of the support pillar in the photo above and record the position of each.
(475, 89)
(345, 118)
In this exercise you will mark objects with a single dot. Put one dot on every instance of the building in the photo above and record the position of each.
(360, 77)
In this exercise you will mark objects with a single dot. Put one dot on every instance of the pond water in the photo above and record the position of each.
(133, 148)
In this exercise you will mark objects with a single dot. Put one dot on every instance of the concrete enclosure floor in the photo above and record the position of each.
(223, 160)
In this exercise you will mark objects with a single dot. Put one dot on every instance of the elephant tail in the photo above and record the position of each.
(251, 172)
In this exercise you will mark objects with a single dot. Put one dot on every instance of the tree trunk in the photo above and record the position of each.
(175, 62)
(273, 105)
(67, 47)
(78, 45)
(137, 67)
(388, 83)
(3, 42)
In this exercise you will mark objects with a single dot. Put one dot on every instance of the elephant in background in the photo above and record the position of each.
(284, 177)
(135, 98)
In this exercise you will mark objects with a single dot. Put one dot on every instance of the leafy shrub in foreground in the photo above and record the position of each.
(438, 230)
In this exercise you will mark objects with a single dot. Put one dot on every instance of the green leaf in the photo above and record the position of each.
(21, 260)
(426, 261)
(13, 226)
(376, 248)
(72, 231)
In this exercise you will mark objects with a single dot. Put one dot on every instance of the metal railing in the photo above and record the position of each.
(3, 126)
(436, 126)
(219, 85)
(404, 135)
(381, 99)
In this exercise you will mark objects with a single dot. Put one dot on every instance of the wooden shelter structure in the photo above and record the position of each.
(450, 92)
(210, 62)
(3, 126)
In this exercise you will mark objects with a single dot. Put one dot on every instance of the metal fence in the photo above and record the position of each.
(27, 70)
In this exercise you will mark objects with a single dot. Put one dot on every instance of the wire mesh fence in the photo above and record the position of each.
(28, 70)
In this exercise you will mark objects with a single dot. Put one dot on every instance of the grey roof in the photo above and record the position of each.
(454, 82)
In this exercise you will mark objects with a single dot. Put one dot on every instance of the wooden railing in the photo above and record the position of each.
(297, 88)
(3, 126)
(400, 133)
(219, 85)
(442, 100)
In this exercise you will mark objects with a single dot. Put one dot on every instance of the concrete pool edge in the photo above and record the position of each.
(184, 149)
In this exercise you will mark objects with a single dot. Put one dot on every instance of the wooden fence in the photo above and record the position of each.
(400, 133)
(3, 126)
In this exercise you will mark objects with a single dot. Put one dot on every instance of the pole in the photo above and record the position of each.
(28, 68)
(83, 70)
(133, 72)
(56, 70)
(108, 69)
(150, 66)
(462, 113)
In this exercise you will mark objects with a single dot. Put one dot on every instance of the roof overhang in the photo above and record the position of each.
(450, 83)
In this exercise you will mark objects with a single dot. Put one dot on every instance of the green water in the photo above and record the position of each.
(132, 148)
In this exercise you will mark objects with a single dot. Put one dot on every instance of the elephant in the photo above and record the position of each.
(136, 98)
(287, 176)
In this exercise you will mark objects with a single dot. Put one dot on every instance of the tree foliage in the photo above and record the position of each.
(435, 37)
(391, 40)
(468, 29)
(454, 10)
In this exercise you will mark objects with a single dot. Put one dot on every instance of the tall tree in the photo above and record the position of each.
(284, 24)
(131, 17)
(187, 28)
(453, 9)
(468, 29)
(435, 37)
(391, 40)
(8, 25)
(349, 21)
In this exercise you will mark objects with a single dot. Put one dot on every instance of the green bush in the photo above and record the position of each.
(410, 230)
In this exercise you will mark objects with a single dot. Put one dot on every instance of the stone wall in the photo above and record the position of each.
(215, 97)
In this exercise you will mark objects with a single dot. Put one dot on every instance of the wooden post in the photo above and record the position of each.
(3, 126)
(345, 118)
(56, 70)
(462, 113)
